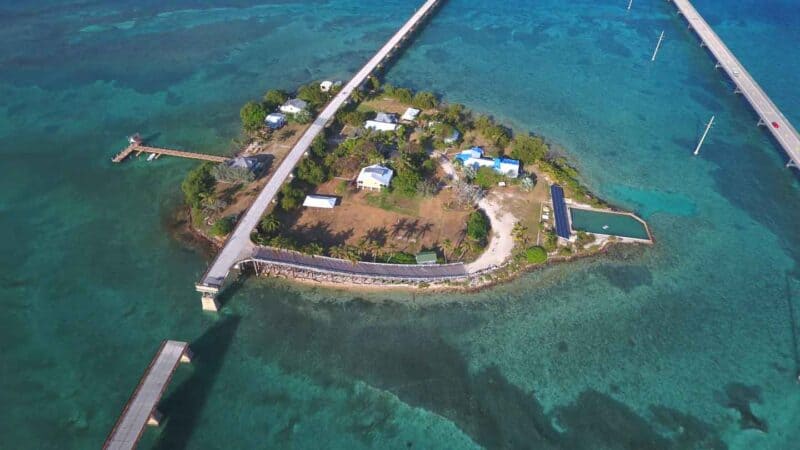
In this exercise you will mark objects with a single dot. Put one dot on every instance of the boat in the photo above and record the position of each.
(151, 157)
(136, 139)
(605, 227)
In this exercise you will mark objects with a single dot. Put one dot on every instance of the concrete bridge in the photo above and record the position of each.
(769, 114)
(238, 247)
(140, 410)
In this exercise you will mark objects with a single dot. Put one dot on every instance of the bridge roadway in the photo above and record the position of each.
(141, 407)
(785, 134)
(238, 246)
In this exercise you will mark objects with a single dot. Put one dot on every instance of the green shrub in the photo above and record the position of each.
(536, 255)
(252, 115)
(478, 226)
(274, 98)
(528, 149)
(486, 177)
(424, 100)
(223, 226)
(199, 185)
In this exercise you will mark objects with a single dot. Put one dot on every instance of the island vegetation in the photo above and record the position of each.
(434, 203)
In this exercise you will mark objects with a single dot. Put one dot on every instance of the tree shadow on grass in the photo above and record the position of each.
(183, 406)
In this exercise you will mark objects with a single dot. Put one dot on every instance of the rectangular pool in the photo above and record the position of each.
(613, 224)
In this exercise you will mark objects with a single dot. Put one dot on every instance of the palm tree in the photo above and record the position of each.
(392, 250)
(471, 245)
(519, 233)
(447, 247)
(339, 252)
(270, 224)
(353, 254)
(313, 249)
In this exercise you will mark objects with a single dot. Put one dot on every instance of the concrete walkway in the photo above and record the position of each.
(142, 404)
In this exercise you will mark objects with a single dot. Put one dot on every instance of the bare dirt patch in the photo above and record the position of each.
(398, 224)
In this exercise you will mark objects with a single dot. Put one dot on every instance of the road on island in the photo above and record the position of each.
(239, 246)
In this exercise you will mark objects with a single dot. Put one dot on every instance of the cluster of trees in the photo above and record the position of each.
(498, 135)
(528, 149)
(223, 226)
(420, 100)
(313, 95)
(412, 168)
(478, 227)
(274, 98)
(199, 185)
(252, 115)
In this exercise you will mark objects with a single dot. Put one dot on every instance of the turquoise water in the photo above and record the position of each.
(612, 224)
(645, 348)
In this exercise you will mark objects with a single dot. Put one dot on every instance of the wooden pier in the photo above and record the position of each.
(138, 148)
(140, 410)
(769, 115)
(238, 247)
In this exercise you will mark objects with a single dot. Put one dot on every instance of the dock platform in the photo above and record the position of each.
(140, 410)
(138, 148)
(769, 115)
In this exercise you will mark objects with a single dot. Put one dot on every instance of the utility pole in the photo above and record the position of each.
(702, 139)
(630, 3)
(660, 39)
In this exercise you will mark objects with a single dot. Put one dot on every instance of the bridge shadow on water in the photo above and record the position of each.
(415, 363)
(182, 406)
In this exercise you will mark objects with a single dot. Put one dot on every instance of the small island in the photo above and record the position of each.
(400, 178)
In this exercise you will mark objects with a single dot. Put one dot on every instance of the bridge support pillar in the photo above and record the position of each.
(737, 91)
(210, 303)
(761, 123)
(155, 418)
(717, 65)
(791, 163)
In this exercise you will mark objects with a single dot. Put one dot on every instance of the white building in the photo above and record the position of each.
(326, 86)
(410, 115)
(294, 106)
(453, 138)
(319, 201)
(382, 122)
(275, 120)
(375, 177)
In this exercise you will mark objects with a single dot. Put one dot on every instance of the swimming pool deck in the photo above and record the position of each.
(649, 240)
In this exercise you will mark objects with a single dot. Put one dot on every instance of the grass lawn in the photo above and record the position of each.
(394, 202)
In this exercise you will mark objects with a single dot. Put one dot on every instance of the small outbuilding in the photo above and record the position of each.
(426, 258)
(453, 138)
(410, 115)
(319, 201)
(275, 120)
(326, 86)
(294, 106)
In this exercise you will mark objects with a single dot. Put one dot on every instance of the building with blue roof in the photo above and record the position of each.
(473, 158)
